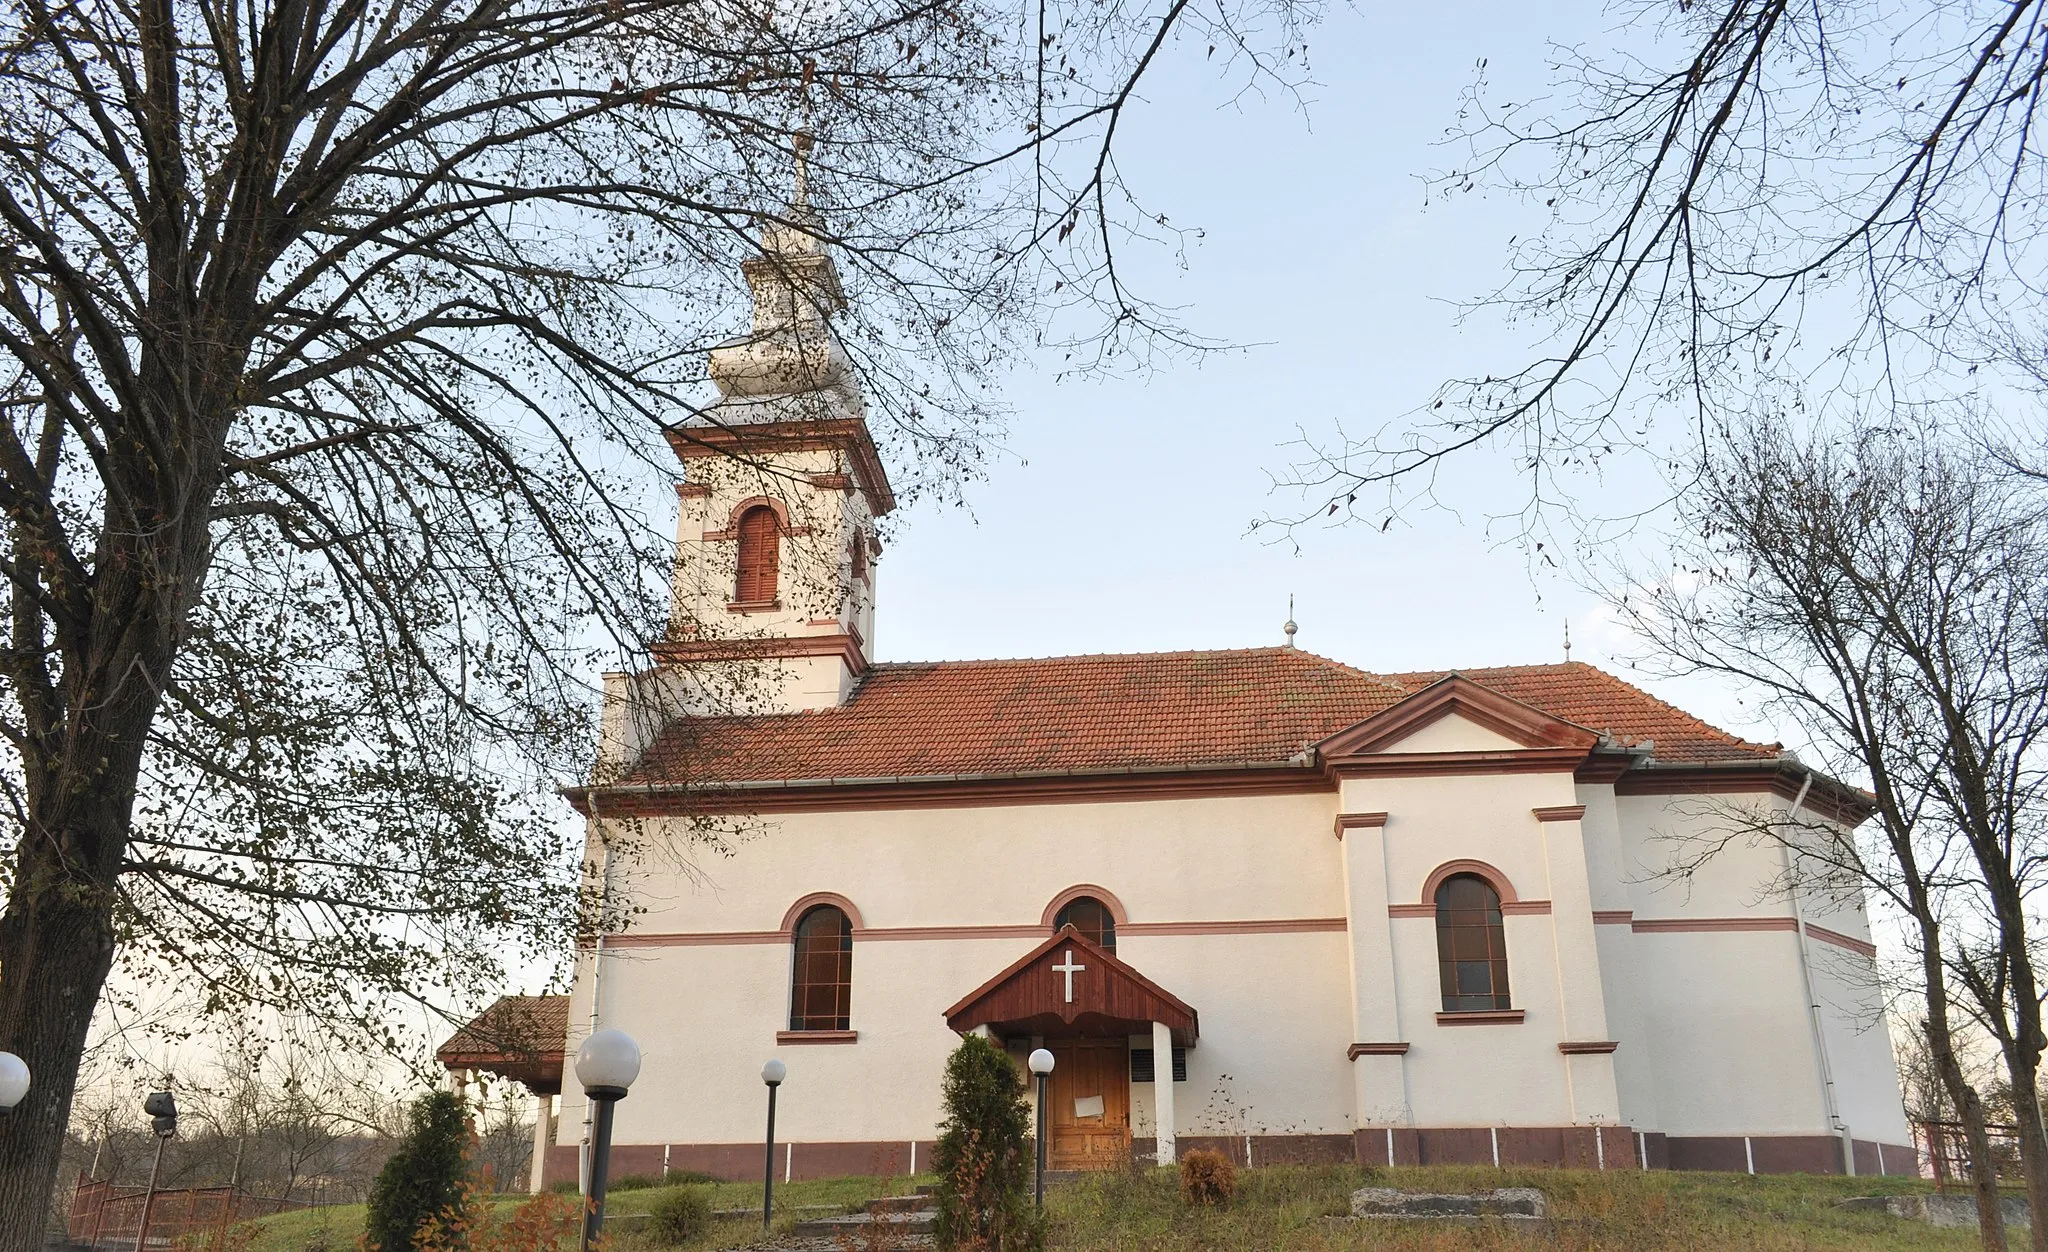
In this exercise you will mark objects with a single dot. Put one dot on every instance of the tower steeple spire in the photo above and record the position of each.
(792, 350)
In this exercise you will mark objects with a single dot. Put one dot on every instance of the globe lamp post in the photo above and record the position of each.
(772, 1074)
(13, 1082)
(162, 1109)
(1041, 1066)
(606, 1065)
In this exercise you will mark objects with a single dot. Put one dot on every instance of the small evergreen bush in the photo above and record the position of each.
(984, 1155)
(633, 1182)
(679, 1216)
(423, 1179)
(1207, 1177)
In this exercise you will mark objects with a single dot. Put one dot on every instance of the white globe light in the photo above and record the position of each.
(774, 1071)
(608, 1059)
(1040, 1062)
(13, 1080)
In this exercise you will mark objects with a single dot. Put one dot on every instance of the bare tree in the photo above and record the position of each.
(1734, 194)
(1882, 592)
(336, 332)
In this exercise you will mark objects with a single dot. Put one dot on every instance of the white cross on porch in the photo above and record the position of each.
(1069, 969)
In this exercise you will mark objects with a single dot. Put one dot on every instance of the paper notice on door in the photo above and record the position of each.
(1088, 1106)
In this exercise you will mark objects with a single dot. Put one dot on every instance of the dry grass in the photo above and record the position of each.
(1290, 1209)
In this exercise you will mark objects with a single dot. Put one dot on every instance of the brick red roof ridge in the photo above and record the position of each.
(1481, 674)
(1277, 649)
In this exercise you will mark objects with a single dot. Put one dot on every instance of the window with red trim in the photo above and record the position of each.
(821, 978)
(1471, 945)
(1091, 917)
(760, 555)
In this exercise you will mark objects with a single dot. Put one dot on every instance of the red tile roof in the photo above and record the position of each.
(1112, 713)
(511, 1026)
(1597, 700)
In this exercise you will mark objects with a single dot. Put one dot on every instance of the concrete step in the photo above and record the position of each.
(902, 1204)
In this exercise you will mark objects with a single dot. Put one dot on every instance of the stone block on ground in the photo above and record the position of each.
(1525, 1203)
(1945, 1211)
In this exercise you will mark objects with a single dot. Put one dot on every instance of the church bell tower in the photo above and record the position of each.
(774, 583)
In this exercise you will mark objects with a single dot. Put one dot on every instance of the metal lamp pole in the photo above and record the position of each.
(772, 1073)
(163, 1112)
(606, 1065)
(1041, 1065)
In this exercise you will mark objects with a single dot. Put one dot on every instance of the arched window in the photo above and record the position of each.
(1471, 945)
(760, 548)
(1092, 918)
(821, 979)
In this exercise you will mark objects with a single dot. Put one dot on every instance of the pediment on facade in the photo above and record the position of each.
(1070, 985)
(1455, 715)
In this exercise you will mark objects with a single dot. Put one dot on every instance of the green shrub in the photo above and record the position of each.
(984, 1155)
(565, 1186)
(677, 1176)
(679, 1216)
(633, 1182)
(1207, 1177)
(423, 1178)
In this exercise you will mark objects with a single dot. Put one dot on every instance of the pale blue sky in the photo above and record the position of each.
(1119, 519)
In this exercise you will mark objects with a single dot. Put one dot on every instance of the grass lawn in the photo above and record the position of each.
(337, 1227)
(1290, 1209)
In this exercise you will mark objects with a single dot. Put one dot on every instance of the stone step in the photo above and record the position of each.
(885, 1225)
(801, 1210)
(903, 1204)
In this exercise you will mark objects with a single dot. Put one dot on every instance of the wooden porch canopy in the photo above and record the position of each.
(523, 1038)
(1069, 985)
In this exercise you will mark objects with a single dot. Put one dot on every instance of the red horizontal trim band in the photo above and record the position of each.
(1508, 908)
(889, 934)
(1357, 1050)
(1588, 1047)
(1483, 1017)
(1669, 925)
(1860, 947)
(822, 795)
(1264, 926)
(1561, 813)
(816, 1036)
(1613, 917)
(1509, 761)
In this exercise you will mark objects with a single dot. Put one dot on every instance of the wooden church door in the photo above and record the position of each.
(1088, 1104)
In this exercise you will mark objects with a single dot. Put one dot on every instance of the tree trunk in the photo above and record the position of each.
(2026, 1111)
(56, 946)
(1941, 1047)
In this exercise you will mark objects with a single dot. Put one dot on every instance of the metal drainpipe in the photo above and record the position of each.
(604, 901)
(1829, 1100)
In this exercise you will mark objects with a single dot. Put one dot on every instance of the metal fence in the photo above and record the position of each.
(104, 1216)
(1945, 1151)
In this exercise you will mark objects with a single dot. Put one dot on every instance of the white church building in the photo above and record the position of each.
(1256, 899)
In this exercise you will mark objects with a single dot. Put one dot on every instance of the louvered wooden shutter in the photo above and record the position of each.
(760, 554)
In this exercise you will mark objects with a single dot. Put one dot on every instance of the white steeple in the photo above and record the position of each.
(791, 350)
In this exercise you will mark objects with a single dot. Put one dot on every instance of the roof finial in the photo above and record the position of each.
(1290, 627)
(1567, 640)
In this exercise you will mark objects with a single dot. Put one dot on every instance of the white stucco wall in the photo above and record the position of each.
(1712, 1025)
